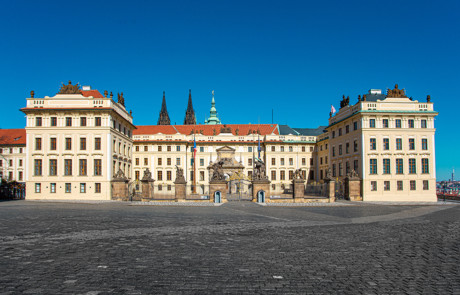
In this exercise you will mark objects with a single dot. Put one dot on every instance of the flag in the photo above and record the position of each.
(194, 148)
(258, 147)
(333, 109)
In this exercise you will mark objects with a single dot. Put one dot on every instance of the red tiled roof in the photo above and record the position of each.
(93, 93)
(208, 130)
(12, 136)
(154, 129)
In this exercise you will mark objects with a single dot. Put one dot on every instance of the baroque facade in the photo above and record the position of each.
(76, 141)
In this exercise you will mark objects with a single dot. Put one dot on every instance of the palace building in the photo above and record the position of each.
(79, 141)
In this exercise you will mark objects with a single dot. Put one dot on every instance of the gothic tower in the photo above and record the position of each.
(213, 119)
(163, 119)
(190, 118)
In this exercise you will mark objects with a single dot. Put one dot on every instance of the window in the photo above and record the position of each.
(400, 185)
(424, 144)
(386, 185)
(192, 161)
(340, 131)
(97, 167)
(355, 125)
(372, 123)
(249, 162)
(340, 149)
(291, 149)
(68, 144)
(160, 175)
(386, 166)
(68, 121)
(19, 176)
(168, 175)
(53, 144)
(385, 123)
(340, 169)
(97, 188)
(411, 144)
(67, 167)
(410, 123)
(273, 175)
(20, 150)
(311, 161)
(423, 123)
(177, 148)
(98, 122)
(159, 161)
(201, 162)
(425, 185)
(399, 166)
(333, 151)
(282, 161)
(412, 185)
(373, 145)
(83, 121)
(146, 161)
(68, 187)
(38, 187)
(386, 144)
(250, 149)
(303, 149)
(83, 143)
(281, 148)
(282, 175)
(398, 144)
(53, 121)
(178, 161)
(168, 161)
(291, 161)
(38, 121)
(273, 148)
(355, 146)
(373, 166)
(82, 188)
(38, 144)
(373, 185)
(97, 143)
(38, 167)
(160, 187)
(398, 123)
(53, 167)
(52, 188)
(425, 167)
(347, 167)
(159, 148)
(168, 148)
(347, 148)
(355, 165)
(273, 161)
(412, 168)
(291, 174)
(333, 134)
(347, 129)
(137, 174)
(304, 161)
(201, 149)
(137, 148)
(83, 166)
(334, 174)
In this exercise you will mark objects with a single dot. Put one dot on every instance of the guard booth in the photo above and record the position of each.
(217, 197)
(261, 196)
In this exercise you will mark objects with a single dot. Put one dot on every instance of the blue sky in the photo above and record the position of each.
(295, 57)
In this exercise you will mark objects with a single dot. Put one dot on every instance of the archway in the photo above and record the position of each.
(261, 196)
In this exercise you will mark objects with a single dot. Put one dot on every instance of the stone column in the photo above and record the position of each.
(218, 185)
(261, 185)
(354, 189)
(298, 189)
(331, 190)
(147, 189)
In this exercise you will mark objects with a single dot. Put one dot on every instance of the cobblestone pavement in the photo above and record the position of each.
(115, 248)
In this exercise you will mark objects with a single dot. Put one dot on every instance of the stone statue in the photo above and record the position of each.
(179, 174)
(428, 98)
(298, 174)
(328, 174)
(259, 171)
(69, 89)
(111, 94)
(106, 93)
(147, 175)
(396, 92)
(119, 175)
(217, 171)
(352, 174)
(32, 94)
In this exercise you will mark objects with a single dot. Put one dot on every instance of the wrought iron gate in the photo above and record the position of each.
(239, 190)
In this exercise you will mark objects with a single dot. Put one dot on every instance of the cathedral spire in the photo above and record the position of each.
(163, 119)
(190, 118)
(213, 119)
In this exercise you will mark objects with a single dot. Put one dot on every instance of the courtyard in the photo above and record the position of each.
(238, 247)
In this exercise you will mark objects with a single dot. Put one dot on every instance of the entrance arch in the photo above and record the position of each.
(217, 197)
(261, 196)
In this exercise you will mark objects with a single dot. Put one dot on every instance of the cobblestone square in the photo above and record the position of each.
(239, 247)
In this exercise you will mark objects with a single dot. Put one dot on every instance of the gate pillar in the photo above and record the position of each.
(331, 190)
(353, 185)
(258, 185)
(298, 190)
(120, 187)
(218, 185)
